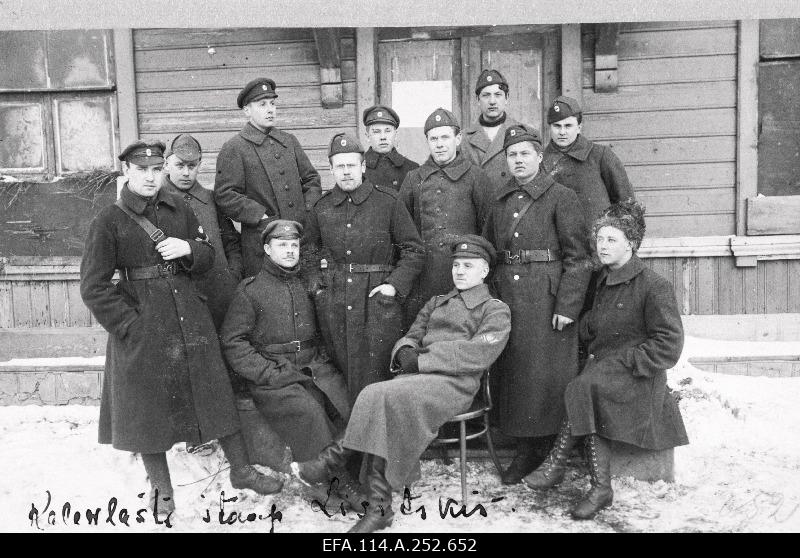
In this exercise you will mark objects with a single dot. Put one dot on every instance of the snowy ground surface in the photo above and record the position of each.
(740, 473)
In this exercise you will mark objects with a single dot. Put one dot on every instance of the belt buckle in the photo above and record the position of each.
(297, 344)
(157, 236)
(516, 256)
(350, 268)
(168, 268)
(549, 256)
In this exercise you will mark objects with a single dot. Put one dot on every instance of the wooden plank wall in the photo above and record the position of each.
(180, 87)
(672, 121)
(41, 304)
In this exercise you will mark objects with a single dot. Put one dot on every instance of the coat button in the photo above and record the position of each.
(591, 356)
(297, 313)
(520, 196)
(516, 215)
(394, 182)
(181, 318)
(348, 252)
(281, 171)
(503, 173)
(619, 305)
(277, 155)
(286, 187)
(516, 278)
(349, 279)
(516, 235)
(187, 197)
(438, 191)
(349, 307)
(291, 204)
(438, 210)
(349, 225)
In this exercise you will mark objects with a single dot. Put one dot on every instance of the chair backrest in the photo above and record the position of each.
(485, 390)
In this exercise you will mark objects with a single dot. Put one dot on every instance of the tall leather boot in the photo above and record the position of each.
(551, 472)
(522, 464)
(330, 461)
(600, 495)
(161, 500)
(242, 474)
(378, 514)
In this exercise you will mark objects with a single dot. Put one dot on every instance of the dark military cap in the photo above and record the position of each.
(343, 143)
(144, 153)
(186, 148)
(562, 107)
(381, 113)
(441, 117)
(281, 228)
(490, 77)
(522, 132)
(255, 90)
(473, 246)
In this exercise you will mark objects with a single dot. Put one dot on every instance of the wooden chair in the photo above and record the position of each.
(479, 409)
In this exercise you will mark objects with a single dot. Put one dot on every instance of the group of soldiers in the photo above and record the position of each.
(323, 295)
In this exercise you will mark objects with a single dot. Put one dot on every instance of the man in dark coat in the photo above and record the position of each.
(538, 229)
(385, 166)
(368, 255)
(164, 381)
(263, 173)
(483, 140)
(270, 337)
(448, 196)
(441, 359)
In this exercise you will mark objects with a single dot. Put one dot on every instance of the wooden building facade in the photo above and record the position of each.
(703, 114)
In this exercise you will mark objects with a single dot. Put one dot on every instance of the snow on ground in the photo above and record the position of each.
(741, 472)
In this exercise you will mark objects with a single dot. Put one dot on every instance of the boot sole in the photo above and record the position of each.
(587, 517)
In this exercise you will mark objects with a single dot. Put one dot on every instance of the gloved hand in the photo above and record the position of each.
(407, 358)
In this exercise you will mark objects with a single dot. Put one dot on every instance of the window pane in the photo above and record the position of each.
(22, 145)
(23, 64)
(77, 58)
(84, 133)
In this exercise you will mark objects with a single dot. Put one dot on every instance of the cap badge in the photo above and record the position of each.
(264, 86)
(488, 78)
(287, 228)
(200, 229)
(512, 133)
(380, 113)
(149, 153)
(343, 142)
(463, 246)
(438, 118)
(556, 108)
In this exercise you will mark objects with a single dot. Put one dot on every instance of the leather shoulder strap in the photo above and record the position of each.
(514, 222)
(155, 234)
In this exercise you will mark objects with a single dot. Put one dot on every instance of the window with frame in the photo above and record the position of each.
(57, 102)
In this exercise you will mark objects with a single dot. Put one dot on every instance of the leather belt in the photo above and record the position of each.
(528, 256)
(290, 346)
(364, 268)
(149, 272)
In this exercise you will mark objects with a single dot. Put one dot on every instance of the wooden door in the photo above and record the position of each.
(416, 78)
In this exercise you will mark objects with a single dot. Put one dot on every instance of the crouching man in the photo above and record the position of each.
(270, 337)
(439, 362)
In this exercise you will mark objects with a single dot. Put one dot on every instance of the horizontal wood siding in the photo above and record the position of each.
(181, 87)
(672, 121)
(47, 303)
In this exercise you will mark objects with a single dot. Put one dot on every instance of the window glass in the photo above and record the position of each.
(84, 133)
(22, 134)
(23, 60)
(77, 59)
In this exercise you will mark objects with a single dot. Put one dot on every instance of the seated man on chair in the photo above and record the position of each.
(440, 361)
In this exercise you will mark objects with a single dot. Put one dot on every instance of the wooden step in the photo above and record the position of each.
(52, 342)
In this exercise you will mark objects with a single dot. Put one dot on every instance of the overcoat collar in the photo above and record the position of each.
(631, 269)
(138, 204)
(479, 140)
(281, 272)
(358, 195)
(579, 150)
(256, 136)
(535, 188)
(373, 157)
(454, 170)
(197, 191)
(471, 297)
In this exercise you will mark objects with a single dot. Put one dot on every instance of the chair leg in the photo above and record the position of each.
(490, 445)
(463, 427)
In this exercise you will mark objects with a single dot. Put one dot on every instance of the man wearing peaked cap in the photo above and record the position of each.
(542, 273)
(592, 170)
(263, 173)
(439, 363)
(165, 380)
(385, 165)
(483, 140)
(447, 196)
(368, 254)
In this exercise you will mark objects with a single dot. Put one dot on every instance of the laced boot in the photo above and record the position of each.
(551, 472)
(378, 513)
(600, 495)
(161, 499)
(242, 474)
(522, 464)
(322, 468)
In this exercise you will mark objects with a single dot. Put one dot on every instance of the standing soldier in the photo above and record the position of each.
(164, 381)
(369, 255)
(537, 227)
(385, 166)
(262, 173)
(448, 196)
(483, 141)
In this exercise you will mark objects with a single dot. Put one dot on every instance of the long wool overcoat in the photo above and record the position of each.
(446, 203)
(219, 283)
(488, 155)
(633, 334)
(388, 170)
(539, 361)
(263, 173)
(275, 307)
(459, 335)
(593, 171)
(165, 380)
(369, 225)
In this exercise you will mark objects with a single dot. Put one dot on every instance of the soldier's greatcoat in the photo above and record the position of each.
(459, 335)
(539, 361)
(288, 388)
(164, 380)
(488, 155)
(633, 334)
(371, 226)
(263, 173)
(389, 169)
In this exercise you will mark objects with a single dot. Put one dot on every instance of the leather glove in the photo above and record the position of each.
(407, 358)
